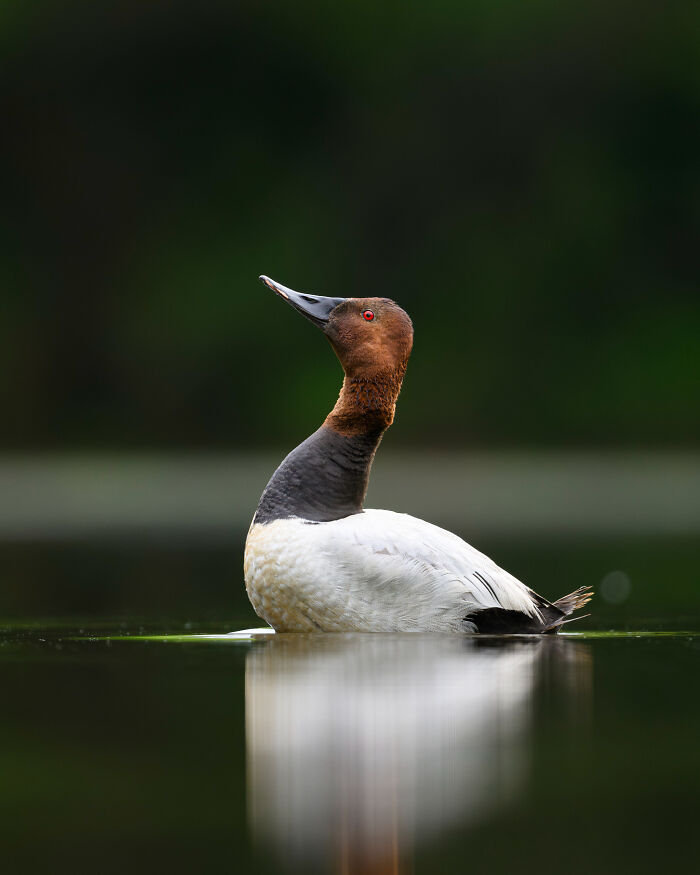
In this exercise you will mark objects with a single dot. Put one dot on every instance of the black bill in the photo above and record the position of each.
(316, 308)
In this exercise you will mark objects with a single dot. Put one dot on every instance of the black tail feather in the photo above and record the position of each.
(552, 615)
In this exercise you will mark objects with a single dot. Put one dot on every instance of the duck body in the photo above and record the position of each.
(376, 571)
(316, 561)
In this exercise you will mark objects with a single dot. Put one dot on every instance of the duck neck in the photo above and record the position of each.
(366, 403)
(325, 478)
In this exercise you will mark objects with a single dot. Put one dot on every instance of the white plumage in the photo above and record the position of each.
(375, 571)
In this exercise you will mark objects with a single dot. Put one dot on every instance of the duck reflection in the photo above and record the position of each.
(362, 746)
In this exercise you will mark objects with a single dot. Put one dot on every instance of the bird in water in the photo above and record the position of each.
(316, 561)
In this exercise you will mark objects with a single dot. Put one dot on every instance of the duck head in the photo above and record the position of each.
(372, 337)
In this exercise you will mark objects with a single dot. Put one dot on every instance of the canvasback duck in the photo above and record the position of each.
(316, 561)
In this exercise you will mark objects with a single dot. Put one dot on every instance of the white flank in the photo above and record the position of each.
(376, 571)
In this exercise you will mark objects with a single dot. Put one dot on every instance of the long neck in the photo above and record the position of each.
(367, 403)
(325, 478)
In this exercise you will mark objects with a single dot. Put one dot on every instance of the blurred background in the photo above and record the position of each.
(522, 177)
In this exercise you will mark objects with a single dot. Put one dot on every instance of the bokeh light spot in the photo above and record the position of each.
(615, 587)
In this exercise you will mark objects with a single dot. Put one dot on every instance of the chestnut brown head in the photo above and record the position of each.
(370, 336)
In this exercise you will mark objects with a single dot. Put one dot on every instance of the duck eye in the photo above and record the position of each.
(368, 315)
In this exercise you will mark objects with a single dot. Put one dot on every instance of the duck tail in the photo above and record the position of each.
(567, 604)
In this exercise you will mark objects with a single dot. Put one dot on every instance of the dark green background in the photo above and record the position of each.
(523, 177)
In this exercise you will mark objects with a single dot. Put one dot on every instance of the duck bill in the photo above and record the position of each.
(316, 308)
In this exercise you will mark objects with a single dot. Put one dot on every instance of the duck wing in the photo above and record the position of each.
(416, 576)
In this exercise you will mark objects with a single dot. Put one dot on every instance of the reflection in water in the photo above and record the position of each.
(362, 746)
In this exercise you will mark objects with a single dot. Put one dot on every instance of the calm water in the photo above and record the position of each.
(125, 749)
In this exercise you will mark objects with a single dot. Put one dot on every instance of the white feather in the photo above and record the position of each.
(376, 571)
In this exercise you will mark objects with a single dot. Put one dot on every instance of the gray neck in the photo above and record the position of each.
(325, 478)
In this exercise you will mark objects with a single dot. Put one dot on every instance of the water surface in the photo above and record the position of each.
(137, 736)
(348, 753)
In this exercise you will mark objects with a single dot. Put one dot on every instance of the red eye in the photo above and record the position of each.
(368, 315)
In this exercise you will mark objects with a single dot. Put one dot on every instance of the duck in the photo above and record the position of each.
(316, 560)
